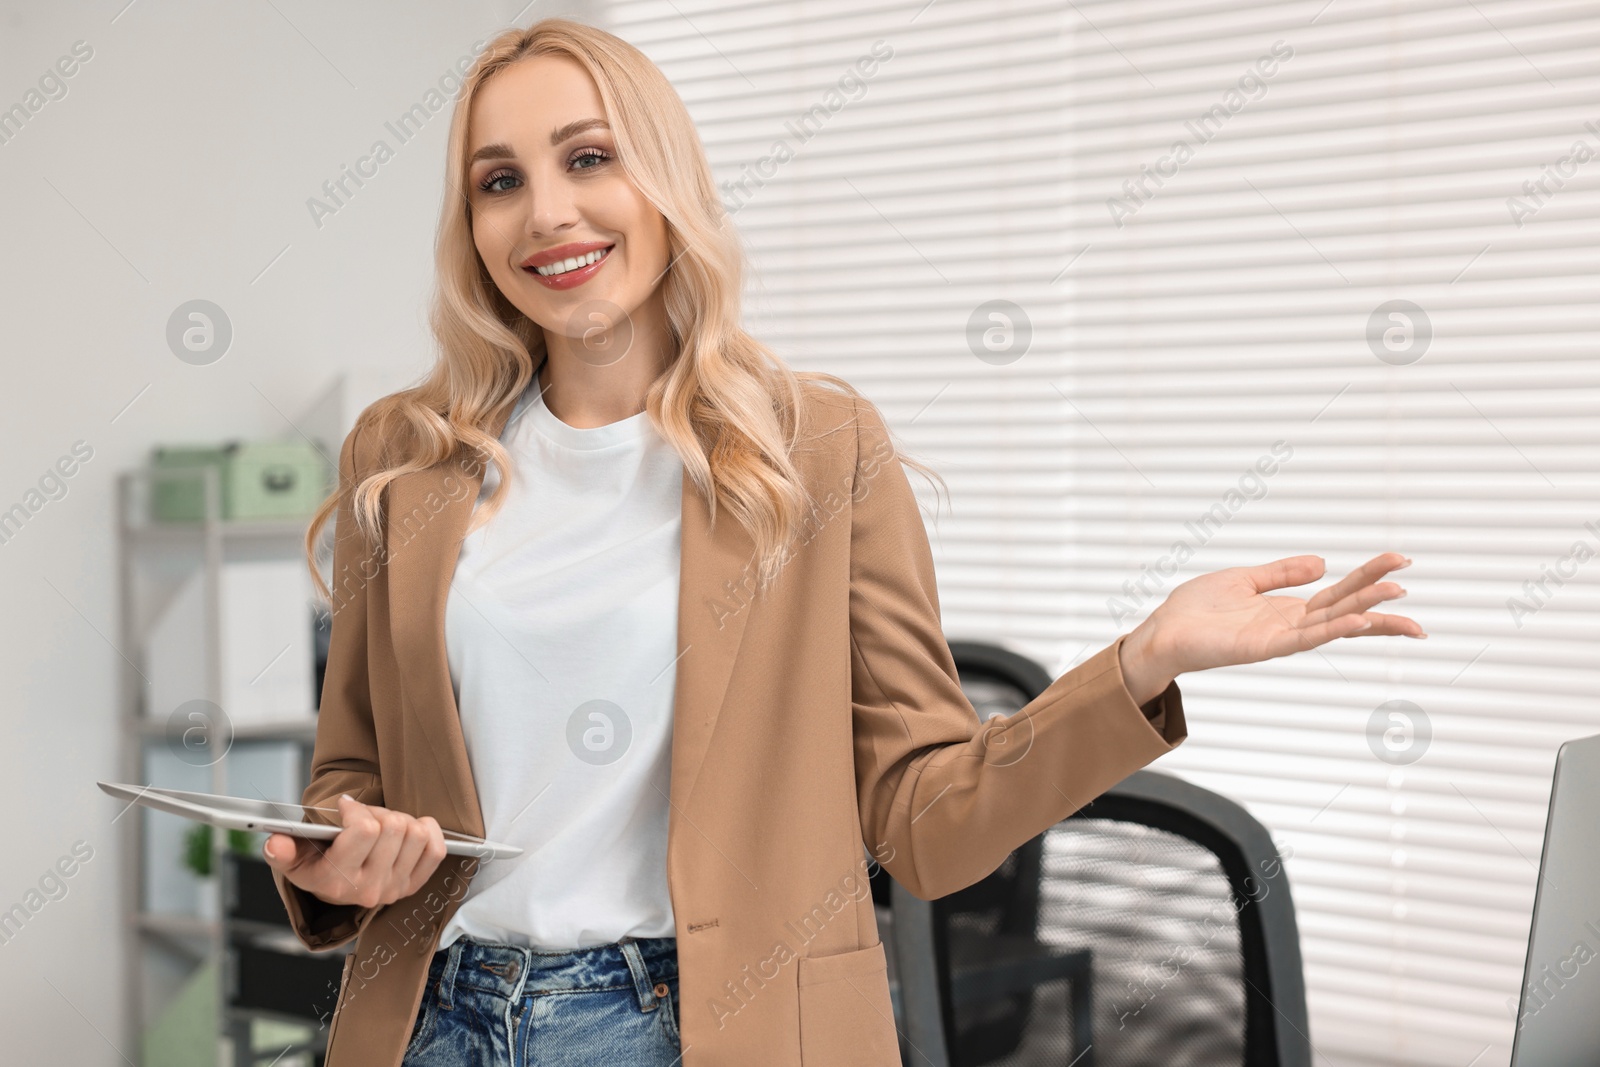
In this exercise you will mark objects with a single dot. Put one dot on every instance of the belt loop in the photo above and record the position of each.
(447, 978)
(642, 985)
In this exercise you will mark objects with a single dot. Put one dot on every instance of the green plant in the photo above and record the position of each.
(197, 847)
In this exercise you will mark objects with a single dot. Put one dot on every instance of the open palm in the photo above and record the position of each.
(1227, 617)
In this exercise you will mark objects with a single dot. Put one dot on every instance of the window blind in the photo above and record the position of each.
(1167, 287)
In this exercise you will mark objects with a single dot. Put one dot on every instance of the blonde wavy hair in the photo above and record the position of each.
(727, 404)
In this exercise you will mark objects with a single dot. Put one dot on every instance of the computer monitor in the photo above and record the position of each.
(1558, 1019)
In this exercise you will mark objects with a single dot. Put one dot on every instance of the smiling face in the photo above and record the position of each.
(547, 191)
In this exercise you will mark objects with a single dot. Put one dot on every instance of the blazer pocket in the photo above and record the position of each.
(846, 1017)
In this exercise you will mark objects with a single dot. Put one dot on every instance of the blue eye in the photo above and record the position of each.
(598, 157)
(487, 183)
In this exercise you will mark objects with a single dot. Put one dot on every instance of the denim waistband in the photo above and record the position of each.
(512, 972)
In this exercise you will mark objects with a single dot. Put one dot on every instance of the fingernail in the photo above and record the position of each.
(1404, 565)
(346, 796)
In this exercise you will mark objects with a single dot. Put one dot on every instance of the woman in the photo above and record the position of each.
(702, 733)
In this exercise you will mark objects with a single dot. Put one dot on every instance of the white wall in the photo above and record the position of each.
(176, 166)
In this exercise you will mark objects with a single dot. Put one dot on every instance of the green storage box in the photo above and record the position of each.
(258, 480)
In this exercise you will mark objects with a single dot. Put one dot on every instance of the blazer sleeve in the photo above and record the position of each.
(345, 758)
(944, 798)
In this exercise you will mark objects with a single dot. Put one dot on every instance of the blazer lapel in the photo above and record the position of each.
(427, 518)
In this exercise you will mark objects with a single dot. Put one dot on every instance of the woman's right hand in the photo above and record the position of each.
(379, 857)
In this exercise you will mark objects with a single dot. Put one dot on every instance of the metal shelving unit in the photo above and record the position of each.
(191, 937)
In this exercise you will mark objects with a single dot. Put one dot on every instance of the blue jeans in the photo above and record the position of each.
(504, 1006)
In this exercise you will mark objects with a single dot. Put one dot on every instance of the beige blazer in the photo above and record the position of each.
(814, 727)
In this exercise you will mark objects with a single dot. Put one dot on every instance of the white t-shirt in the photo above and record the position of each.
(561, 629)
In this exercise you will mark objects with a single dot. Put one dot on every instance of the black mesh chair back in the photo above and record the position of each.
(1155, 925)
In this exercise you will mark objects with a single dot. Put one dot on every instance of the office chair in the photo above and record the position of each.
(1155, 925)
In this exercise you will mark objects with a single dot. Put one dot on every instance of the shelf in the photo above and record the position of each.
(236, 1012)
(303, 729)
(182, 932)
(174, 925)
(279, 939)
(233, 1011)
(230, 529)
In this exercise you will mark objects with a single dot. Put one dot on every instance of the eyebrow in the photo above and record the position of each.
(557, 136)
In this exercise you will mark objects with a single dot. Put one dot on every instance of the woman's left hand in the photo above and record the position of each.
(1226, 617)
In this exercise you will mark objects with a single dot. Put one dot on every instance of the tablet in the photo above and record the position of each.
(240, 813)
